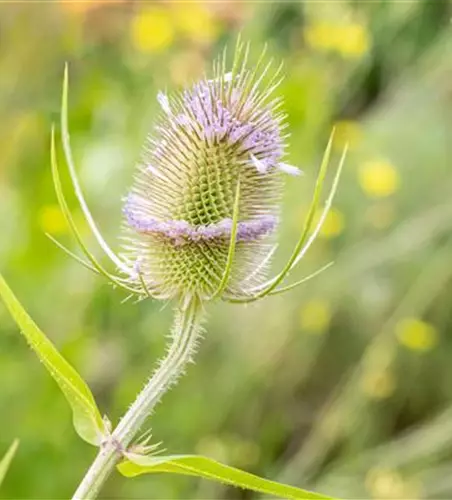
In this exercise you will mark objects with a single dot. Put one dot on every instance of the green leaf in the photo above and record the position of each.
(5, 462)
(196, 465)
(86, 416)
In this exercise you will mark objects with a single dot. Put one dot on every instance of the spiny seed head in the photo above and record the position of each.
(219, 134)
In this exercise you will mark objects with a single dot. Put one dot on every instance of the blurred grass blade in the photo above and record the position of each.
(5, 462)
(199, 466)
(86, 416)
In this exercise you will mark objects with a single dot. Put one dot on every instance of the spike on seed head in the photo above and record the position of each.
(179, 213)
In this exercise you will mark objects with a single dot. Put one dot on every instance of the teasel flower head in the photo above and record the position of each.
(201, 216)
(218, 141)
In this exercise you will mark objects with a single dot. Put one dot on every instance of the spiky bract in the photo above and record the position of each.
(220, 134)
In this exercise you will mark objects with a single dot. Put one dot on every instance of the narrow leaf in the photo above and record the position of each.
(86, 416)
(199, 466)
(5, 462)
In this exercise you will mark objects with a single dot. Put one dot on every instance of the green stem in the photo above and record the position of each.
(186, 332)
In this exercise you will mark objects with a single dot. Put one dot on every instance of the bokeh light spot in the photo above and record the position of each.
(378, 178)
(333, 225)
(416, 334)
(51, 220)
(388, 484)
(152, 30)
(315, 316)
(354, 40)
(196, 21)
(378, 385)
(347, 132)
(351, 40)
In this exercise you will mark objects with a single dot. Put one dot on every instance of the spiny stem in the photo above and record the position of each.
(185, 334)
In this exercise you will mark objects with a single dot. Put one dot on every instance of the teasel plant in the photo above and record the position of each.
(198, 226)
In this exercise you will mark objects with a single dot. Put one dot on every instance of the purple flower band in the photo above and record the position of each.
(181, 231)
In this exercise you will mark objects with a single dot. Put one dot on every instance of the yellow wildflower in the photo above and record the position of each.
(416, 334)
(52, 220)
(347, 132)
(196, 21)
(152, 30)
(351, 40)
(388, 484)
(379, 384)
(319, 35)
(333, 225)
(378, 178)
(315, 316)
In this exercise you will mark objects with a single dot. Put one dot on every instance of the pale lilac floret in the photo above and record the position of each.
(180, 231)
(289, 169)
(254, 133)
(261, 166)
(154, 171)
(163, 100)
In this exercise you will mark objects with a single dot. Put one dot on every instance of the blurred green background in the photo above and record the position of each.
(343, 385)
